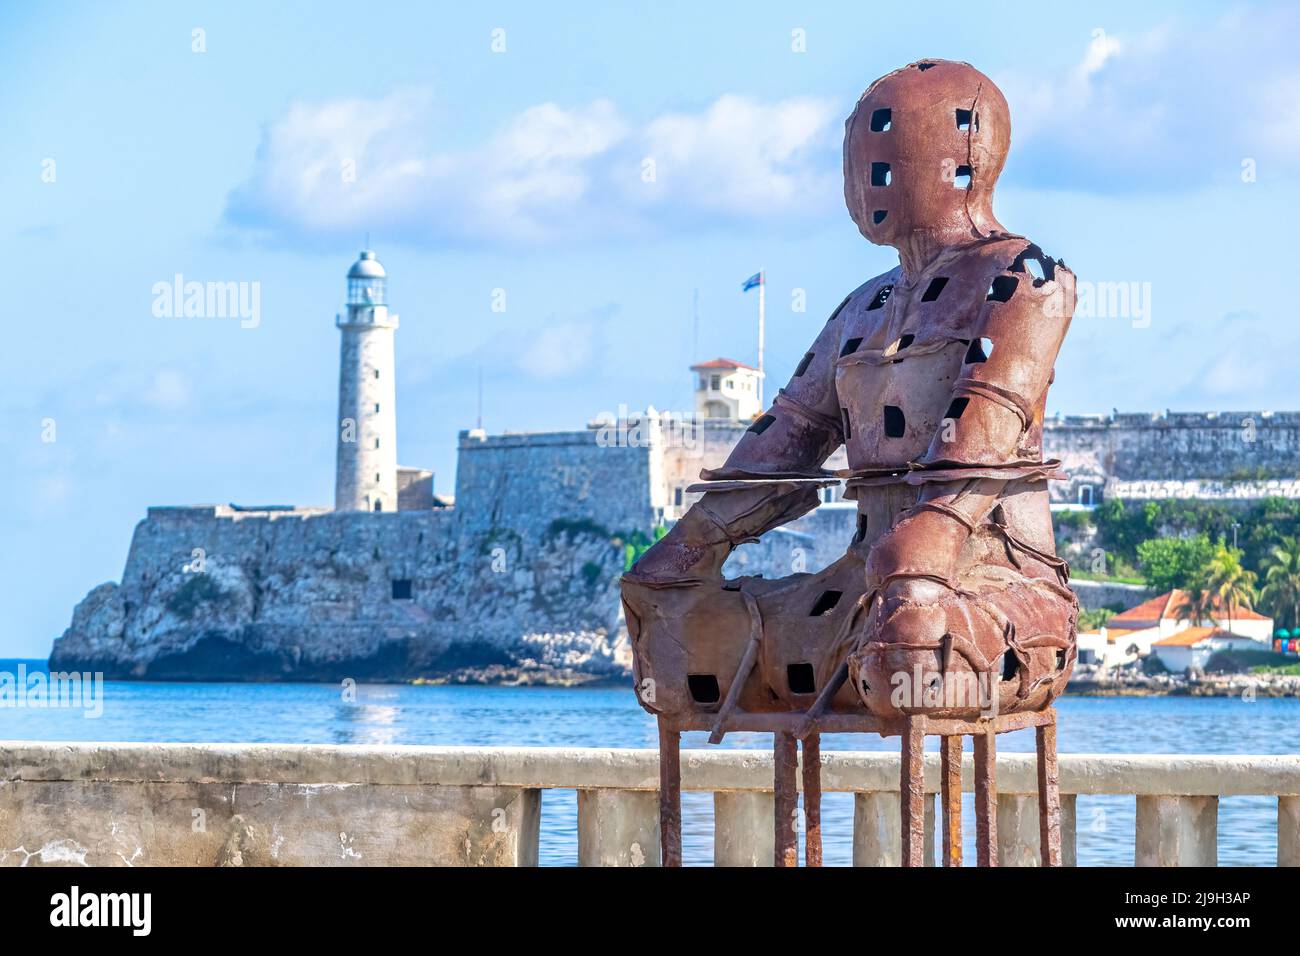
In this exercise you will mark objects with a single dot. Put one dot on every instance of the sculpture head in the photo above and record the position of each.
(922, 151)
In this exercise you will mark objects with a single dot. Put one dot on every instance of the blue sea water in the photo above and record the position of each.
(610, 717)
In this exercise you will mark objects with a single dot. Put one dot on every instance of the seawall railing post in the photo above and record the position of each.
(1069, 833)
(1288, 831)
(744, 828)
(530, 828)
(929, 847)
(618, 828)
(1177, 831)
(877, 828)
(1018, 831)
(1020, 835)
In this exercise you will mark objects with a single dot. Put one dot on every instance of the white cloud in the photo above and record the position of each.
(744, 158)
(1171, 108)
(548, 173)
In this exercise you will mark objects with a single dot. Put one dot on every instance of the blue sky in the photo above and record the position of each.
(1151, 144)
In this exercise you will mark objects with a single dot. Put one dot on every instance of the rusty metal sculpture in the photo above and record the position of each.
(949, 614)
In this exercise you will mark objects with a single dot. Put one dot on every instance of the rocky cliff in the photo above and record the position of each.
(215, 593)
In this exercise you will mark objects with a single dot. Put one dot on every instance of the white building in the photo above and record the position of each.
(366, 471)
(726, 389)
(1193, 647)
(1161, 626)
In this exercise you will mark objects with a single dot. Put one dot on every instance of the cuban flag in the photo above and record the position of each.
(752, 282)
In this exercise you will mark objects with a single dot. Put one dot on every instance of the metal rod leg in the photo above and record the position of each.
(812, 800)
(1049, 796)
(950, 794)
(670, 795)
(912, 792)
(785, 752)
(986, 798)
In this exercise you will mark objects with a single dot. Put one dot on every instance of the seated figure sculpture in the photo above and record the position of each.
(934, 377)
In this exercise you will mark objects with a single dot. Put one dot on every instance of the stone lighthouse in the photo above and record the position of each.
(366, 473)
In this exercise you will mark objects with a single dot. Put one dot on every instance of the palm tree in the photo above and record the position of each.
(1196, 603)
(1230, 585)
(1281, 592)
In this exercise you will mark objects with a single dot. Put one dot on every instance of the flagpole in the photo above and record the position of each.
(762, 293)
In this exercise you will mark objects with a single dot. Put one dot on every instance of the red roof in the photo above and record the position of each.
(1191, 636)
(723, 363)
(1165, 607)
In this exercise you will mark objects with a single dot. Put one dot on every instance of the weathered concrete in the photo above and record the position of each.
(744, 828)
(618, 828)
(1069, 832)
(233, 804)
(1288, 831)
(1177, 831)
(1018, 836)
(1018, 829)
(621, 769)
(877, 829)
(930, 849)
(112, 823)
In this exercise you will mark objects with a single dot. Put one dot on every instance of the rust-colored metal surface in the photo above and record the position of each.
(950, 604)
(912, 787)
(670, 795)
(1049, 797)
(950, 798)
(812, 800)
(785, 763)
(986, 798)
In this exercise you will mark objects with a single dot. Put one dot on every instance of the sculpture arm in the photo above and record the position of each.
(794, 437)
(802, 427)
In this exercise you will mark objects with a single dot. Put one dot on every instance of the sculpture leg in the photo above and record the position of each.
(1049, 796)
(986, 798)
(670, 795)
(912, 792)
(785, 752)
(950, 794)
(812, 800)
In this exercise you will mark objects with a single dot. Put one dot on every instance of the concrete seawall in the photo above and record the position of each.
(312, 805)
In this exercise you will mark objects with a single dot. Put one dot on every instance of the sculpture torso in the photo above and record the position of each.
(901, 346)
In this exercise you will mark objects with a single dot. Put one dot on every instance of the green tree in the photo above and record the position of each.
(1090, 619)
(1281, 591)
(1231, 586)
(1196, 604)
(1169, 563)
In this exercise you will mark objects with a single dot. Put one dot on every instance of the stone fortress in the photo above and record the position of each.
(515, 577)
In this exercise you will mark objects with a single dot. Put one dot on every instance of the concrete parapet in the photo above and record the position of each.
(270, 804)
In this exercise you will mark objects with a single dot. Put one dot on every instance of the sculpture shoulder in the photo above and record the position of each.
(1021, 257)
(872, 292)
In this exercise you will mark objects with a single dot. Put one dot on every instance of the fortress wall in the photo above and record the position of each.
(1178, 454)
(526, 483)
